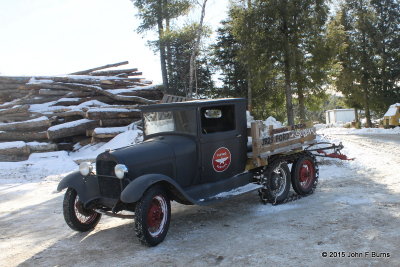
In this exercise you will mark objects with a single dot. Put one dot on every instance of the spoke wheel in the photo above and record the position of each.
(276, 181)
(304, 175)
(76, 216)
(152, 216)
(156, 216)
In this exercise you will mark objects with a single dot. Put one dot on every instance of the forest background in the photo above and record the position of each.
(292, 59)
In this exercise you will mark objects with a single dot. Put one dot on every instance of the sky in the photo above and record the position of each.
(55, 37)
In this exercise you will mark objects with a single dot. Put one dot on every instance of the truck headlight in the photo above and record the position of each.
(85, 168)
(120, 170)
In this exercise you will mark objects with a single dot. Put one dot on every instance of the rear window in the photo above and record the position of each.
(217, 119)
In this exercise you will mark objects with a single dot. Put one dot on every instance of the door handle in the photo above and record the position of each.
(238, 135)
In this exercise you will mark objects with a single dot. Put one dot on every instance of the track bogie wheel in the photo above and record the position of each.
(304, 175)
(276, 181)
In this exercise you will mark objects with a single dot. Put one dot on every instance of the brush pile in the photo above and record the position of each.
(47, 113)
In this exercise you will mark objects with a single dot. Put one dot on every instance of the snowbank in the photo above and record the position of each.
(39, 166)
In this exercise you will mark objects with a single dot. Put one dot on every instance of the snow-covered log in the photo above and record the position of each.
(30, 125)
(15, 109)
(112, 113)
(22, 136)
(108, 132)
(70, 113)
(115, 122)
(72, 128)
(18, 148)
(41, 147)
(14, 79)
(51, 92)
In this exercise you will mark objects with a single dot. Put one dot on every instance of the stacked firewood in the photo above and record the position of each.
(45, 113)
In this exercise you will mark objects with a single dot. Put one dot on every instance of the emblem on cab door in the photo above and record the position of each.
(221, 159)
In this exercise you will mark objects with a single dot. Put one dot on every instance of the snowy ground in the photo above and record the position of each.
(356, 208)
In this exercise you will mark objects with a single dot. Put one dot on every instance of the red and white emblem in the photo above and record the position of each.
(221, 159)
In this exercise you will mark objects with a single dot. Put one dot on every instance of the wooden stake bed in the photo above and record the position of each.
(268, 141)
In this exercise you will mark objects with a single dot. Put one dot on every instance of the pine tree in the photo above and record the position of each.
(157, 14)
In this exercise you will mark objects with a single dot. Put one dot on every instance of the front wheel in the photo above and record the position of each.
(76, 216)
(152, 216)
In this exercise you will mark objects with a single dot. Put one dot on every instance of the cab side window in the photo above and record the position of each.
(217, 119)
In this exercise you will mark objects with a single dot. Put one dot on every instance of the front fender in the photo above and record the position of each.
(135, 189)
(87, 187)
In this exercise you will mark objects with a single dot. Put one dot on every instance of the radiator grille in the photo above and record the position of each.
(110, 186)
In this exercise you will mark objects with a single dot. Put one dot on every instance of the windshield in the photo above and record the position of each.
(170, 121)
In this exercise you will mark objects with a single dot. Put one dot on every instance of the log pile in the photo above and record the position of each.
(83, 107)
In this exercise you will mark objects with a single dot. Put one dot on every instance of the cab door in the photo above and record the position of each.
(222, 144)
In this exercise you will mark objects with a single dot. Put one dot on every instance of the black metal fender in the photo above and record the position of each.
(86, 187)
(135, 189)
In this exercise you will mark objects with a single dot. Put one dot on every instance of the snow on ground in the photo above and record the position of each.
(356, 208)
(363, 131)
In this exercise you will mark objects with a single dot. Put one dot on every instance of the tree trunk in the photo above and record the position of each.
(366, 102)
(168, 46)
(356, 115)
(162, 46)
(195, 50)
(286, 49)
(249, 89)
(300, 89)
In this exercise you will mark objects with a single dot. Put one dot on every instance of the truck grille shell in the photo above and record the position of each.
(110, 186)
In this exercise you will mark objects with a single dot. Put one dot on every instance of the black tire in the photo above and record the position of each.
(152, 216)
(276, 182)
(76, 216)
(304, 175)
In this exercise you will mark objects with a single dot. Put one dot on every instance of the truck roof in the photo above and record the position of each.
(195, 103)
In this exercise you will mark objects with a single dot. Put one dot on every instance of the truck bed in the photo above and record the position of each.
(266, 142)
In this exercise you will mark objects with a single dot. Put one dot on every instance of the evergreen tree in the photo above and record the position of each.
(285, 49)
(157, 14)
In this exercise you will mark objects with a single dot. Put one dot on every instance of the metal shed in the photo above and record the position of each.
(340, 116)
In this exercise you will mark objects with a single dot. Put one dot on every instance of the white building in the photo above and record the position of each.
(340, 116)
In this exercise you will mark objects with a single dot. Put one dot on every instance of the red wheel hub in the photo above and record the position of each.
(154, 215)
(307, 173)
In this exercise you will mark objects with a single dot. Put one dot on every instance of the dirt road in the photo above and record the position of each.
(356, 209)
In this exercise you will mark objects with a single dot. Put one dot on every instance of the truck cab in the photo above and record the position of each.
(192, 151)
(208, 138)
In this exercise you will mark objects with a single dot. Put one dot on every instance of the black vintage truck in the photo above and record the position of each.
(194, 152)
